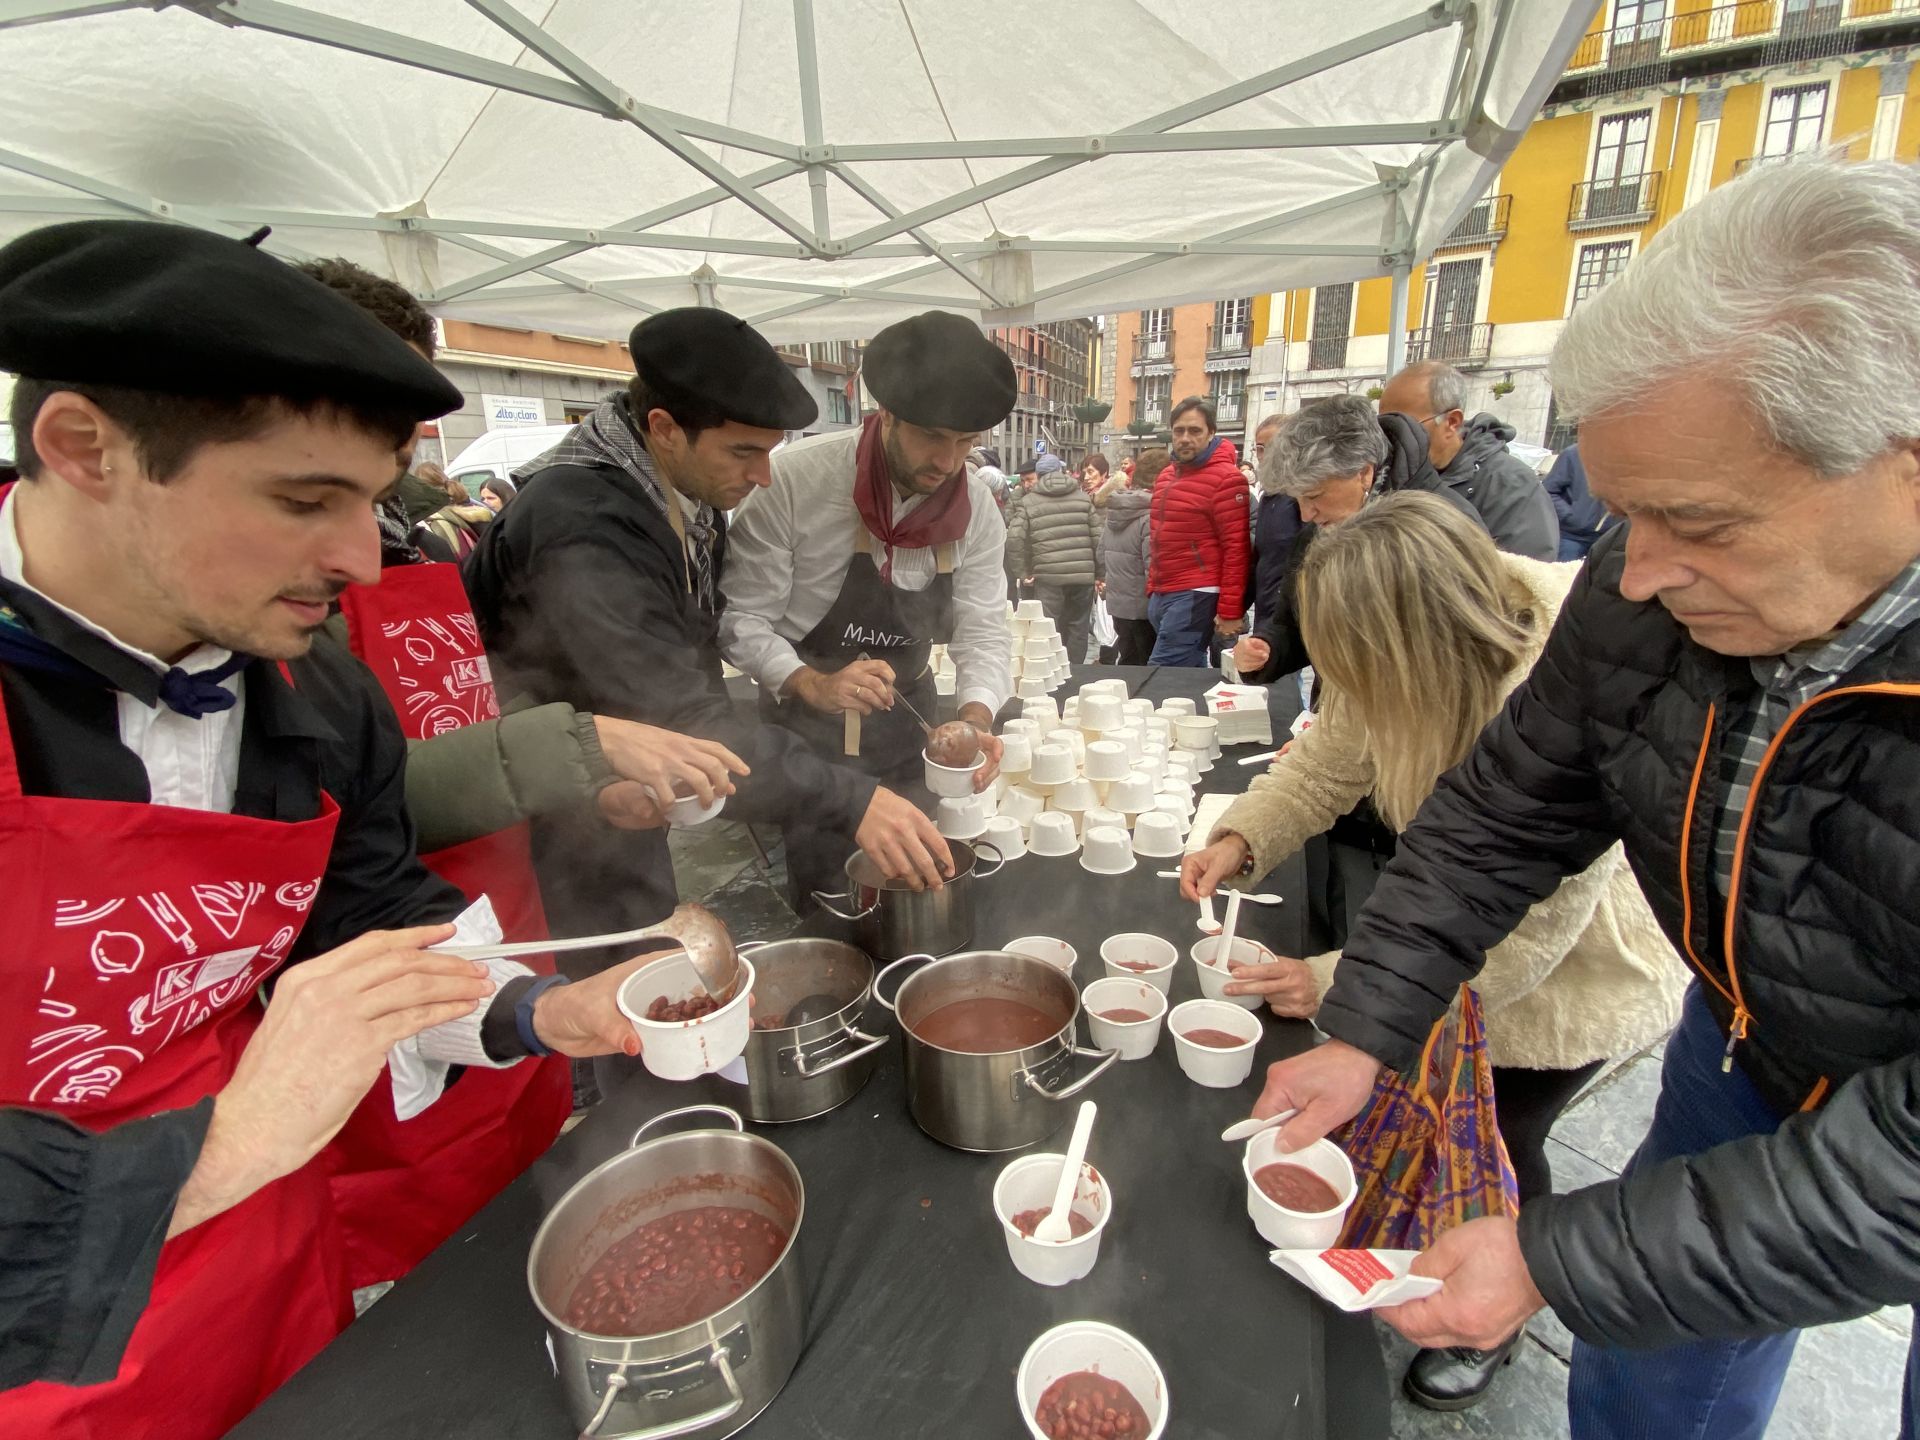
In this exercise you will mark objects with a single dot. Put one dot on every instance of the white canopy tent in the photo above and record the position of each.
(820, 167)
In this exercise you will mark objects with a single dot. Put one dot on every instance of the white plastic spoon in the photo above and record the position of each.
(1250, 897)
(1057, 1228)
(1207, 923)
(1224, 949)
(1247, 1129)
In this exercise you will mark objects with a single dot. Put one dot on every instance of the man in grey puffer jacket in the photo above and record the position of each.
(1054, 542)
(1128, 557)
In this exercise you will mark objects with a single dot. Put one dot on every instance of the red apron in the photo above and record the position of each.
(136, 938)
(403, 1186)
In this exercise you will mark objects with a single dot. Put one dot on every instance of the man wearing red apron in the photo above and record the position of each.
(181, 818)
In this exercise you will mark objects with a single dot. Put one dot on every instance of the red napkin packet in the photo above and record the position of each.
(1357, 1279)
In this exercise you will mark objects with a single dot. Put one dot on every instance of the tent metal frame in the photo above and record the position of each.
(897, 234)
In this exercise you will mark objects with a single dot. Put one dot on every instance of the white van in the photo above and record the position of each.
(496, 454)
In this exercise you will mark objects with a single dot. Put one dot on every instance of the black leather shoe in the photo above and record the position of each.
(1454, 1379)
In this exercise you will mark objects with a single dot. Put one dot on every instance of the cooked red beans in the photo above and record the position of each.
(691, 1008)
(675, 1270)
(1087, 1406)
(1028, 1221)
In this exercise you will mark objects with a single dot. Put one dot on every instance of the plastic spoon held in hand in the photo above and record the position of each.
(1247, 1129)
(1057, 1228)
(1248, 896)
(1223, 952)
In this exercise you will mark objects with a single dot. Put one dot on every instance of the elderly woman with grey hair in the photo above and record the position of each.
(1331, 458)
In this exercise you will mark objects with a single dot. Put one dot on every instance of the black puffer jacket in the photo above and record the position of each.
(1617, 736)
(1513, 504)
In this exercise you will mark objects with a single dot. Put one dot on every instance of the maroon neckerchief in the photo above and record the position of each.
(941, 519)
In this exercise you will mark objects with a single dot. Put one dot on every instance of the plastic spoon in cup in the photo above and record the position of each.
(1225, 948)
(1247, 1129)
(1057, 1228)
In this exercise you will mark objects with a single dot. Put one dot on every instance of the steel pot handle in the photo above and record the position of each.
(617, 1383)
(826, 904)
(999, 860)
(869, 1044)
(1107, 1057)
(745, 945)
(647, 1125)
(886, 970)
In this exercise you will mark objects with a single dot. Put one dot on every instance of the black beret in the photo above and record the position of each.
(1029, 465)
(182, 311)
(939, 371)
(712, 358)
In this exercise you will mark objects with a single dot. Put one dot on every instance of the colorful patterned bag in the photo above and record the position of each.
(1426, 1152)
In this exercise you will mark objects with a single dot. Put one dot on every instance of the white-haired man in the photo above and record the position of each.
(1733, 690)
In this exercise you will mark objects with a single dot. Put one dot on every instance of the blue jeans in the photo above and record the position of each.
(1182, 623)
(1711, 1389)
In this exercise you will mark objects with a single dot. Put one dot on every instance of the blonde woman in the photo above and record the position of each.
(1419, 629)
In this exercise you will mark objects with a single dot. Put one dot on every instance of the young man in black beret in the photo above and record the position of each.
(193, 801)
(600, 585)
(874, 545)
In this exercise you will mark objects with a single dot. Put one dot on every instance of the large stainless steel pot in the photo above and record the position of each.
(795, 1072)
(709, 1379)
(992, 1102)
(892, 920)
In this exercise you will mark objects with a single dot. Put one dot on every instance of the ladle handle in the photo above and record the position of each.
(826, 903)
(617, 1382)
(666, 1115)
(886, 970)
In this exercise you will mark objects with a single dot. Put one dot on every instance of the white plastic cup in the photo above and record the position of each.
(960, 817)
(1177, 803)
(1217, 1069)
(1076, 795)
(1116, 688)
(1057, 953)
(687, 809)
(1134, 1039)
(1106, 850)
(1020, 725)
(1031, 687)
(1052, 765)
(1039, 708)
(1133, 793)
(1121, 953)
(1159, 833)
(1007, 835)
(1021, 805)
(1215, 978)
(950, 781)
(1074, 740)
(1016, 753)
(1028, 1184)
(1107, 760)
(1287, 1229)
(1030, 611)
(685, 1049)
(1099, 711)
(1134, 738)
(1091, 1345)
(1103, 815)
(1195, 732)
(1052, 833)
(1136, 710)
(1036, 647)
(1177, 706)
(1158, 727)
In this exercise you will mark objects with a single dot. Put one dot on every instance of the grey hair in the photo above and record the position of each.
(1799, 284)
(1330, 440)
(1446, 386)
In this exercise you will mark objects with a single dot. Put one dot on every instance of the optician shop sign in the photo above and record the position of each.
(506, 411)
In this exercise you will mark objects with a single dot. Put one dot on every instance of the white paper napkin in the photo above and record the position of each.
(1357, 1279)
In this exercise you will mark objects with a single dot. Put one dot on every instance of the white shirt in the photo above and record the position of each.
(787, 552)
(195, 764)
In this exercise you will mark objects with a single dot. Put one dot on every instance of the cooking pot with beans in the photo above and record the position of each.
(892, 920)
(807, 1053)
(989, 1046)
(670, 1284)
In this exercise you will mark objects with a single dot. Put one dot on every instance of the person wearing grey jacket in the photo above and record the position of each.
(1129, 548)
(1473, 459)
(1055, 542)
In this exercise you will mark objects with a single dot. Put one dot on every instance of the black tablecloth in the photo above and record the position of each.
(918, 1319)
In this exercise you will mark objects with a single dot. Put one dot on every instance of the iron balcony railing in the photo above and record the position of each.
(1327, 352)
(1227, 409)
(1740, 167)
(1742, 22)
(1152, 345)
(1485, 222)
(1228, 339)
(1149, 414)
(1465, 346)
(1622, 200)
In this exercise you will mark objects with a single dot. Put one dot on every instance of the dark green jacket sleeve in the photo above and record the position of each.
(482, 778)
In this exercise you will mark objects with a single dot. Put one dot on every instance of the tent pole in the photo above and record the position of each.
(1397, 319)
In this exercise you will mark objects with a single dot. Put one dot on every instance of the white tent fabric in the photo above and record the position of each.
(821, 169)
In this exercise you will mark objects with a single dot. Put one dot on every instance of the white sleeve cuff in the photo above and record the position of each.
(417, 1067)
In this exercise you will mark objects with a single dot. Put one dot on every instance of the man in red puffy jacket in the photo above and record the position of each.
(1197, 586)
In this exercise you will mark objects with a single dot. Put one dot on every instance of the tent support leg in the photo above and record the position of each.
(1397, 319)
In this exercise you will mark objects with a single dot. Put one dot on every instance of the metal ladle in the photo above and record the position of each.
(699, 931)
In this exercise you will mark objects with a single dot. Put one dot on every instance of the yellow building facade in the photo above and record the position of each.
(1661, 103)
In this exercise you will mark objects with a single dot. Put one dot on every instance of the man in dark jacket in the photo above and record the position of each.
(1733, 690)
(600, 586)
(1583, 519)
(1201, 542)
(1055, 544)
(1473, 459)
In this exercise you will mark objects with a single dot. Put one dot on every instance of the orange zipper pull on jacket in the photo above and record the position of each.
(1734, 1037)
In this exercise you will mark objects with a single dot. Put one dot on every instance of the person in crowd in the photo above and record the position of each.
(1129, 558)
(496, 493)
(600, 586)
(1095, 474)
(1276, 521)
(985, 462)
(196, 797)
(874, 546)
(1419, 630)
(1583, 519)
(1473, 458)
(457, 524)
(474, 778)
(1197, 587)
(1057, 544)
(1731, 692)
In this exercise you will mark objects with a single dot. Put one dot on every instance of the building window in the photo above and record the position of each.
(1796, 119)
(1153, 399)
(1637, 26)
(839, 408)
(1448, 331)
(1332, 323)
(1227, 391)
(1597, 266)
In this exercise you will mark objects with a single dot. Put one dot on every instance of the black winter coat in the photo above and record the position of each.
(580, 593)
(1617, 736)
